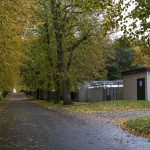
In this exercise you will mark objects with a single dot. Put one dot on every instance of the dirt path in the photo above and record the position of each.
(26, 126)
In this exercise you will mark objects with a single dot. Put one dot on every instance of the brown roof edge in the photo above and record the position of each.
(135, 71)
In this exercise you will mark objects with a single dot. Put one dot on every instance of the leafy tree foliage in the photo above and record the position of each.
(142, 54)
(9, 31)
(60, 42)
(122, 59)
(138, 18)
(13, 19)
(70, 33)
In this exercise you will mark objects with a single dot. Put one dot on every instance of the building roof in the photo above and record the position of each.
(103, 84)
(99, 83)
(135, 71)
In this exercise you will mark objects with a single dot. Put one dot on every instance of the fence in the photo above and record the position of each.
(100, 94)
(94, 91)
(101, 90)
(49, 95)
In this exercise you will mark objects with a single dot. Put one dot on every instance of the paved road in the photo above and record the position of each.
(26, 126)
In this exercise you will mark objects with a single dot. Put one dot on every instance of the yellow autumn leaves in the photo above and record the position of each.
(12, 25)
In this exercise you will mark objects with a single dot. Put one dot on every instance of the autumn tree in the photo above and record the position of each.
(74, 22)
(122, 59)
(14, 17)
(142, 54)
(135, 19)
(70, 32)
(9, 44)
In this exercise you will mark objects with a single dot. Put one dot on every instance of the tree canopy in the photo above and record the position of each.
(57, 44)
(136, 18)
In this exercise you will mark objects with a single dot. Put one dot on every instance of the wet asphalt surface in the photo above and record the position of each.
(26, 126)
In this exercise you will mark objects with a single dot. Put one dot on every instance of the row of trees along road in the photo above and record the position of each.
(11, 27)
(67, 44)
(57, 44)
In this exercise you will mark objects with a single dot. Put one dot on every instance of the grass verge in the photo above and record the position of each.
(139, 126)
(89, 107)
(3, 104)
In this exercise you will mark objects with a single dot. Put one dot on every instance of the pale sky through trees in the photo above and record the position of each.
(128, 21)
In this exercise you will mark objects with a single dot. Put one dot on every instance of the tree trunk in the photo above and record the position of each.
(62, 80)
(37, 94)
(67, 99)
(58, 90)
(57, 97)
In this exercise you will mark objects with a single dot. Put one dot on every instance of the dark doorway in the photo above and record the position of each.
(141, 89)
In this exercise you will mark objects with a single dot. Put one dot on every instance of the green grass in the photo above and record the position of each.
(88, 107)
(139, 126)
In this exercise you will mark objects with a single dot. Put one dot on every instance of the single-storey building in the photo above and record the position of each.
(100, 91)
(136, 84)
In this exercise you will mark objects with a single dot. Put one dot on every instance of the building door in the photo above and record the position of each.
(141, 89)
